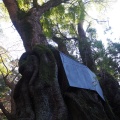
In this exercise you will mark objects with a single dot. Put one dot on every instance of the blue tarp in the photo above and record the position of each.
(79, 75)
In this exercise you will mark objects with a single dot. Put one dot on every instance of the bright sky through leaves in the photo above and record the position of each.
(113, 18)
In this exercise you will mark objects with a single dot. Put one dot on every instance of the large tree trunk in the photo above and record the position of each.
(43, 92)
(30, 30)
(37, 95)
(28, 23)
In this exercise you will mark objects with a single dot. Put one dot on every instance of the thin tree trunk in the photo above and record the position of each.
(61, 44)
(85, 49)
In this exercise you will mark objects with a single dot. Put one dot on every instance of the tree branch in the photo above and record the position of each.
(6, 113)
(50, 4)
(35, 3)
(65, 37)
(61, 45)
(4, 63)
(11, 85)
(13, 9)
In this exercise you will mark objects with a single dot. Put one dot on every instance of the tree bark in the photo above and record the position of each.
(51, 102)
(31, 30)
(37, 95)
(28, 24)
(85, 49)
(8, 115)
(61, 44)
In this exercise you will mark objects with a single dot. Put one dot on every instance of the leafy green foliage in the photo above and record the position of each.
(3, 61)
(105, 58)
(24, 4)
(3, 13)
(63, 19)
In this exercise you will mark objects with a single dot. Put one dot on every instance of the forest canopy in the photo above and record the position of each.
(68, 26)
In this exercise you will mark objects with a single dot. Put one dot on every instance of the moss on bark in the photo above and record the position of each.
(43, 92)
(37, 95)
